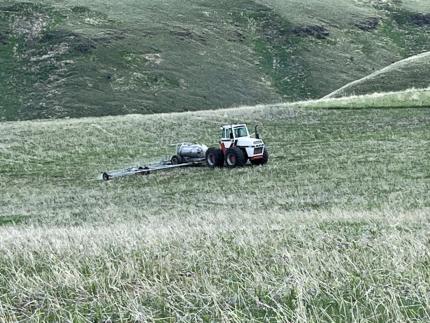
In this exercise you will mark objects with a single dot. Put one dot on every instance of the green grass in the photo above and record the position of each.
(78, 58)
(409, 73)
(334, 228)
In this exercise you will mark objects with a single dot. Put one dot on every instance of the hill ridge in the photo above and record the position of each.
(384, 70)
(78, 58)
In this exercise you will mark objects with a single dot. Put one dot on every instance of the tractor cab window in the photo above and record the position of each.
(240, 132)
(226, 133)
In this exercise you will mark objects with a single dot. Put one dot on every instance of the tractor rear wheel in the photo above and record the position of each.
(214, 157)
(261, 161)
(235, 157)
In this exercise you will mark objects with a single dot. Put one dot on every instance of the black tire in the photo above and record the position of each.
(262, 161)
(176, 160)
(214, 158)
(106, 177)
(235, 157)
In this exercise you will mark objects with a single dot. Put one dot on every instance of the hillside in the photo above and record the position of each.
(409, 73)
(335, 226)
(77, 58)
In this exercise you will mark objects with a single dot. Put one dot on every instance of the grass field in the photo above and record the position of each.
(334, 228)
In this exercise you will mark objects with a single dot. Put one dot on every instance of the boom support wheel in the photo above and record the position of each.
(176, 160)
(106, 176)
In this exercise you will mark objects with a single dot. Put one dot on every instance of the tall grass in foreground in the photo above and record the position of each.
(298, 266)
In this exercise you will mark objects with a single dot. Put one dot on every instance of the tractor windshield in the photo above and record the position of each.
(240, 132)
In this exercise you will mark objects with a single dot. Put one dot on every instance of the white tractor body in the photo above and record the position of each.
(236, 148)
(238, 136)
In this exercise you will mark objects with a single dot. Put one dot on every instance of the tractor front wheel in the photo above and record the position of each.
(214, 158)
(235, 157)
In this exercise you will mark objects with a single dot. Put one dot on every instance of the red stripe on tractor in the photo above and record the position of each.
(256, 157)
(223, 148)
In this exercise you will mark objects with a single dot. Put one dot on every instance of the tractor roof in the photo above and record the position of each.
(228, 126)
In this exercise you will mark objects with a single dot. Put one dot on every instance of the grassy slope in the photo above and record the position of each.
(336, 226)
(408, 73)
(409, 98)
(89, 58)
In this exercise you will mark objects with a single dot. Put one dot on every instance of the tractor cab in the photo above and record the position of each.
(237, 147)
(230, 132)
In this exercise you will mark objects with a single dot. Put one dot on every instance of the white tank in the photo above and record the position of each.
(192, 150)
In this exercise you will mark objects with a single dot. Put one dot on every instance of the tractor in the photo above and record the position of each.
(237, 147)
